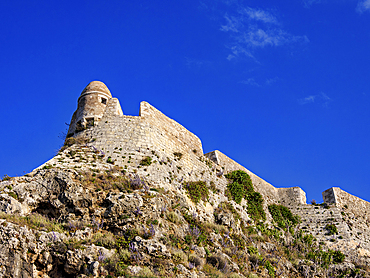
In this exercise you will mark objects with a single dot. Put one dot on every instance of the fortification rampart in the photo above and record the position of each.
(357, 206)
(152, 132)
(176, 133)
(286, 196)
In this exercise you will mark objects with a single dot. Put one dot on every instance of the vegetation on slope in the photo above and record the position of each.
(155, 230)
(241, 187)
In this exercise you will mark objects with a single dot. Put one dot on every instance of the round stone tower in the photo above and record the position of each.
(91, 107)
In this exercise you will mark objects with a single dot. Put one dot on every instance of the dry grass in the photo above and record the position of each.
(213, 227)
(106, 239)
(34, 221)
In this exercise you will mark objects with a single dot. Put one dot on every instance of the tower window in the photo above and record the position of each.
(104, 100)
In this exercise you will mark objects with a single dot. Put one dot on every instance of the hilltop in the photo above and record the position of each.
(135, 196)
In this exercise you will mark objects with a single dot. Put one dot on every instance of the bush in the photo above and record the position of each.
(13, 195)
(255, 208)
(252, 250)
(197, 190)
(146, 161)
(326, 258)
(283, 216)
(308, 239)
(338, 257)
(109, 160)
(270, 269)
(234, 275)
(196, 261)
(242, 187)
(124, 255)
(332, 229)
(70, 141)
(34, 221)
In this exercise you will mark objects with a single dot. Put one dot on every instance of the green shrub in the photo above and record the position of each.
(146, 272)
(124, 255)
(146, 161)
(234, 275)
(252, 250)
(35, 221)
(255, 208)
(109, 160)
(338, 257)
(237, 191)
(69, 141)
(270, 269)
(197, 190)
(12, 194)
(242, 187)
(326, 258)
(309, 239)
(332, 229)
(283, 216)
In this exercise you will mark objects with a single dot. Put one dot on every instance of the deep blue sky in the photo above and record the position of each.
(282, 87)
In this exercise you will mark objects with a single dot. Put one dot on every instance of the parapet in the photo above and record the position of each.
(292, 196)
(342, 199)
(173, 130)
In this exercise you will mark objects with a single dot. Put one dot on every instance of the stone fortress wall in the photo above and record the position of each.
(358, 207)
(152, 130)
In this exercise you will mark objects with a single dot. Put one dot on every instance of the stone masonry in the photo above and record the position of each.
(126, 139)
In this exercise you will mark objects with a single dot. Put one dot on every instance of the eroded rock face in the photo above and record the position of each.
(122, 204)
(64, 223)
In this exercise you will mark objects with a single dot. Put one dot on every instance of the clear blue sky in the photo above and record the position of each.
(282, 87)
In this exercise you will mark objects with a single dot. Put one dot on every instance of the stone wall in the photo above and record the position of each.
(120, 136)
(186, 141)
(292, 196)
(114, 107)
(152, 130)
(342, 199)
(285, 196)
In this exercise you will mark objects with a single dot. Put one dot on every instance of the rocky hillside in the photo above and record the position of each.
(80, 215)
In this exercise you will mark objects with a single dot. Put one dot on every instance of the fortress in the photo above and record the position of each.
(100, 116)
(144, 181)
(126, 140)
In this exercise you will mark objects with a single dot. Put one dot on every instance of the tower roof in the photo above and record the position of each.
(96, 86)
